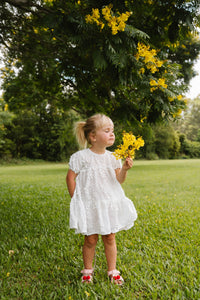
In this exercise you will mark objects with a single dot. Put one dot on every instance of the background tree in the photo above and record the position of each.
(54, 39)
(5, 120)
(189, 123)
(167, 144)
(131, 60)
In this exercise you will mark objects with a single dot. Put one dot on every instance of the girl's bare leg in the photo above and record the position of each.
(89, 250)
(110, 250)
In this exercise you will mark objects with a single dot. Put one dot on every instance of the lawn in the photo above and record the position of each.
(40, 258)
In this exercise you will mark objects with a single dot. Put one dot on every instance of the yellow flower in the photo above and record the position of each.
(95, 13)
(142, 70)
(177, 114)
(88, 294)
(152, 67)
(153, 82)
(179, 97)
(159, 63)
(48, 1)
(142, 119)
(35, 30)
(129, 145)
(106, 12)
(155, 85)
(149, 57)
(171, 99)
(161, 82)
(115, 23)
(88, 19)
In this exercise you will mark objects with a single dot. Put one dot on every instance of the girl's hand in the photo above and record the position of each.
(121, 173)
(128, 163)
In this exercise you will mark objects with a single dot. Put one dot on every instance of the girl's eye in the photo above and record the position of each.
(108, 130)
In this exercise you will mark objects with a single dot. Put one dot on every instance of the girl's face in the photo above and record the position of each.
(104, 137)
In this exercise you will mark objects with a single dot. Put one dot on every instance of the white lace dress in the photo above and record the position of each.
(99, 205)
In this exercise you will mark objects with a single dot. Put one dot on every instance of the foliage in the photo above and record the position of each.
(167, 143)
(189, 124)
(40, 134)
(189, 148)
(129, 59)
(62, 56)
(40, 258)
(5, 119)
(48, 135)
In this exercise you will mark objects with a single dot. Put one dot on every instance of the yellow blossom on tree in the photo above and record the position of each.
(179, 97)
(153, 68)
(171, 99)
(149, 57)
(142, 70)
(177, 114)
(153, 82)
(95, 13)
(129, 146)
(161, 82)
(142, 119)
(89, 19)
(116, 23)
(35, 30)
(155, 85)
(49, 1)
(106, 11)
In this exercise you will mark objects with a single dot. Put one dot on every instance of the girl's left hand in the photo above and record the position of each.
(128, 163)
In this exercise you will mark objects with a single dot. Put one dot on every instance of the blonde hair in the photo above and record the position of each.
(83, 129)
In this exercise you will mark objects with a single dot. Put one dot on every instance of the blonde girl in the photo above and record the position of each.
(98, 203)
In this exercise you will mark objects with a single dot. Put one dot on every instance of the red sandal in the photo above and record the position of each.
(87, 275)
(115, 277)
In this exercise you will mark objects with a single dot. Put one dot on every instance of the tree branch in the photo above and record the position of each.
(27, 6)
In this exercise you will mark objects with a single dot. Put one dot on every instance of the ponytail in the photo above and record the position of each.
(80, 134)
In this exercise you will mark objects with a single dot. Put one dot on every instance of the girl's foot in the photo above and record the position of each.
(115, 277)
(87, 275)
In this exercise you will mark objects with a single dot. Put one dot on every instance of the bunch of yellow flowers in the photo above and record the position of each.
(149, 56)
(157, 84)
(129, 146)
(115, 23)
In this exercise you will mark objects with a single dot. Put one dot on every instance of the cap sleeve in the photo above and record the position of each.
(75, 163)
(117, 163)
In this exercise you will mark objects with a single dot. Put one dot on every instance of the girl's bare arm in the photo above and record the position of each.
(121, 173)
(71, 182)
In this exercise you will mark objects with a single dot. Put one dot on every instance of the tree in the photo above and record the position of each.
(189, 124)
(167, 143)
(91, 56)
(5, 120)
(40, 133)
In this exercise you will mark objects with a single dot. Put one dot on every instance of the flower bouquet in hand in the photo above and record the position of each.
(128, 147)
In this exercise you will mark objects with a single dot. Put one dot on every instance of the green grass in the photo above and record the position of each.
(158, 257)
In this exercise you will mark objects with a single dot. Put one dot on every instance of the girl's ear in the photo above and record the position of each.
(92, 137)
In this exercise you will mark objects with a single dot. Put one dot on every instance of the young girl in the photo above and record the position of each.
(98, 203)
